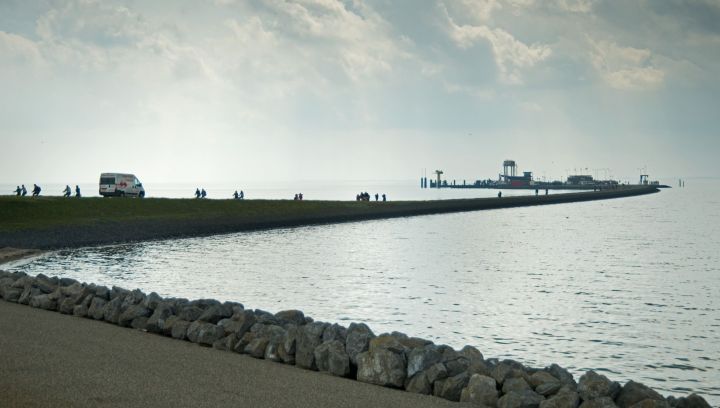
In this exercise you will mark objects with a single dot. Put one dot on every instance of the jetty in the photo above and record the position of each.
(55, 222)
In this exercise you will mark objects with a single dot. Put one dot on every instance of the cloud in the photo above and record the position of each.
(625, 68)
(511, 55)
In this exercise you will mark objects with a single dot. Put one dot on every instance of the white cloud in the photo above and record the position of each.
(625, 68)
(511, 55)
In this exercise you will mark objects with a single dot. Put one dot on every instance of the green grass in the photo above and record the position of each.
(32, 213)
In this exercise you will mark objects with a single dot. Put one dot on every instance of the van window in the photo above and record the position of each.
(107, 180)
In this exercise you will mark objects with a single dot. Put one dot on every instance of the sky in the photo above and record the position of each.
(282, 90)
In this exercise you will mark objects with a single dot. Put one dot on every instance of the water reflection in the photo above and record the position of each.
(624, 286)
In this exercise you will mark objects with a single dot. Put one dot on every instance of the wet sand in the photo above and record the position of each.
(49, 359)
(8, 254)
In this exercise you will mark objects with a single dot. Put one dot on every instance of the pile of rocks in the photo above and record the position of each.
(391, 360)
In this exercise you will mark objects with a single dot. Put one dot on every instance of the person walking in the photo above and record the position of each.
(384, 197)
(36, 190)
(499, 194)
(18, 191)
(66, 191)
(203, 193)
(377, 197)
(197, 193)
(242, 195)
(236, 195)
(77, 191)
(24, 190)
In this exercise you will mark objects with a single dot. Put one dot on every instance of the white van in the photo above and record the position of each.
(120, 185)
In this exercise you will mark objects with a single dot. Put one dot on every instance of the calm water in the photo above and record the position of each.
(627, 286)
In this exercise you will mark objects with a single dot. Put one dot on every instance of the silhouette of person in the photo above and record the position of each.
(536, 192)
(546, 191)
(77, 191)
(242, 195)
(296, 197)
(36, 190)
(66, 191)
(384, 197)
(300, 196)
(197, 193)
(377, 196)
(236, 195)
(203, 193)
(499, 194)
(24, 190)
(18, 191)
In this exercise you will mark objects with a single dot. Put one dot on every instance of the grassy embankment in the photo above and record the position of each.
(53, 222)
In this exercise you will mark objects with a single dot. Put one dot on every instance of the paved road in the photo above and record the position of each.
(53, 360)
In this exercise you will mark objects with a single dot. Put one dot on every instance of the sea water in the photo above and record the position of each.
(628, 287)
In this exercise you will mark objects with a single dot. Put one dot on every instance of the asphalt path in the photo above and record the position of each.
(52, 360)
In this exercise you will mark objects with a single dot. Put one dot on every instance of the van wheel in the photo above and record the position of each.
(142, 194)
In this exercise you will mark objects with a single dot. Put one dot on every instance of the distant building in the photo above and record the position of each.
(580, 179)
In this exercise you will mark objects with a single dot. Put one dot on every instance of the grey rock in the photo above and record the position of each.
(161, 313)
(204, 333)
(334, 332)
(382, 367)
(28, 293)
(239, 323)
(66, 306)
(451, 387)
(243, 342)
(520, 399)
(102, 292)
(471, 353)
(633, 392)
(67, 282)
(168, 325)
(357, 340)
(651, 403)
(43, 301)
(81, 310)
(264, 317)
(436, 372)
(11, 294)
(97, 308)
(549, 389)
(179, 329)
(420, 359)
(190, 313)
(44, 284)
(139, 323)
(481, 390)
(286, 349)
(593, 385)
(604, 402)
(215, 313)
(256, 348)
(562, 400)
(331, 357)
(111, 313)
(227, 343)
(309, 337)
(480, 367)
(515, 384)
(419, 384)
(506, 370)
(561, 374)
(542, 377)
(295, 317)
(152, 301)
(691, 401)
(133, 312)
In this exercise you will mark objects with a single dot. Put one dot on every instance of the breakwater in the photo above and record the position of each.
(51, 223)
(392, 360)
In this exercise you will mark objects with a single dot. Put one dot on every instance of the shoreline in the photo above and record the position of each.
(288, 338)
(90, 222)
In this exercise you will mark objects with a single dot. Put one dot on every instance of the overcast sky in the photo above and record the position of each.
(365, 89)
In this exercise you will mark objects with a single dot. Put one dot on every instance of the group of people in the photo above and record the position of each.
(22, 191)
(200, 193)
(298, 197)
(239, 196)
(67, 192)
(366, 197)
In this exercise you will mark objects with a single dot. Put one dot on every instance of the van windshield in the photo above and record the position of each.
(107, 180)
